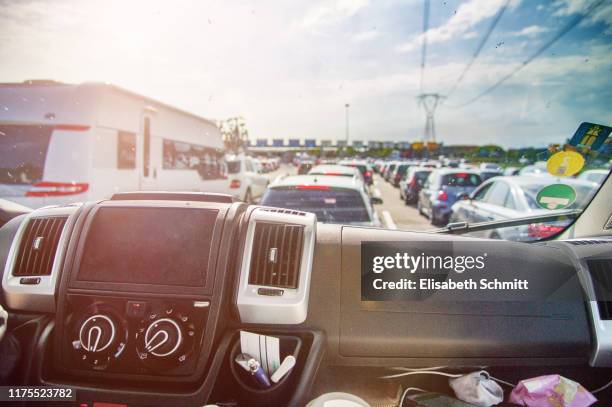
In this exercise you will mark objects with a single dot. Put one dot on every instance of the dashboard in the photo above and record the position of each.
(140, 300)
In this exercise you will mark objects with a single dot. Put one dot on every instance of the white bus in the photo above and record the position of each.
(63, 143)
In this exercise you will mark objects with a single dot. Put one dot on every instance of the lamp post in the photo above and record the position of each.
(346, 106)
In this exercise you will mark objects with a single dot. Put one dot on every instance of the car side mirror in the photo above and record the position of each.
(376, 200)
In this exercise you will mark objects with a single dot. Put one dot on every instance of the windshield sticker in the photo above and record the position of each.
(592, 136)
(565, 163)
(556, 196)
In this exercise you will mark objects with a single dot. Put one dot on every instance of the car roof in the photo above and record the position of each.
(445, 171)
(332, 168)
(596, 171)
(323, 180)
(521, 180)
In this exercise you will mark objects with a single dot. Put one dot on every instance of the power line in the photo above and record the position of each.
(480, 47)
(539, 52)
(424, 40)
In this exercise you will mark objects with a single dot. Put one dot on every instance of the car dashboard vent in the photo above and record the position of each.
(276, 255)
(38, 246)
(284, 211)
(601, 275)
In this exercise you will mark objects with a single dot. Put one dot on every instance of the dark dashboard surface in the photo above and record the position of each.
(190, 286)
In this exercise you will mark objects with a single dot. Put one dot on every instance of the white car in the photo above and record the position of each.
(246, 182)
(333, 199)
(336, 171)
(596, 176)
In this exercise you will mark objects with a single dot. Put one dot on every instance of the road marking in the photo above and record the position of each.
(388, 220)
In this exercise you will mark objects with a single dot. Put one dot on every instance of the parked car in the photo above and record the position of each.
(511, 170)
(442, 189)
(486, 174)
(304, 167)
(389, 170)
(246, 183)
(596, 176)
(399, 172)
(332, 199)
(538, 168)
(366, 170)
(490, 167)
(504, 198)
(412, 182)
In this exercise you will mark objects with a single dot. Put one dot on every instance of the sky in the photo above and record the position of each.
(289, 67)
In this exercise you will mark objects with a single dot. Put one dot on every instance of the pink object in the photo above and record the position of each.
(551, 391)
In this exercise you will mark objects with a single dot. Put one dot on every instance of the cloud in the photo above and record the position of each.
(466, 16)
(603, 13)
(332, 13)
(469, 35)
(531, 31)
(364, 36)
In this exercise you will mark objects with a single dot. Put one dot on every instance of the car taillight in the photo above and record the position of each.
(542, 231)
(442, 196)
(235, 184)
(316, 187)
(47, 188)
(413, 182)
(367, 174)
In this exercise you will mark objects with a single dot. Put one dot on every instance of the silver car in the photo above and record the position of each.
(503, 198)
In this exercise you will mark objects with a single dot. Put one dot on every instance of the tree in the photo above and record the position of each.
(234, 133)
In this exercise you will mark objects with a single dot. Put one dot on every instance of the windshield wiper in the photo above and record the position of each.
(465, 227)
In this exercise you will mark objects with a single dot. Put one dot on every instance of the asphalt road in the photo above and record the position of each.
(402, 216)
(393, 212)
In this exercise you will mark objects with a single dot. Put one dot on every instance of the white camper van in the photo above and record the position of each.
(62, 143)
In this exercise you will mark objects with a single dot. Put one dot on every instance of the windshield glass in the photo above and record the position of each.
(460, 180)
(332, 205)
(473, 90)
(23, 151)
(233, 167)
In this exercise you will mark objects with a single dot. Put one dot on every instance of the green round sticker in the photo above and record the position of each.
(556, 196)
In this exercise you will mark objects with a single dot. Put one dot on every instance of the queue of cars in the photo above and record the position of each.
(484, 193)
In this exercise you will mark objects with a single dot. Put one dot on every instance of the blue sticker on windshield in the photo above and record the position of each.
(594, 136)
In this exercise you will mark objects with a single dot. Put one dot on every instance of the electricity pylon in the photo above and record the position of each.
(430, 102)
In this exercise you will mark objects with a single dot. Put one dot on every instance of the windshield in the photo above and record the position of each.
(23, 151)
(460, 180)
(234, 97)
(233, 167)
(331, 205)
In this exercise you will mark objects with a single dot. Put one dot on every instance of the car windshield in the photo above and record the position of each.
(331, 205)
(460, 179)
(233, 97)
(233, 167)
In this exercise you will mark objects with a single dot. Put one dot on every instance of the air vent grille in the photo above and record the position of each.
(284, 211)
(38, 246)
(587, 241)
(601, 275)
(276, 256)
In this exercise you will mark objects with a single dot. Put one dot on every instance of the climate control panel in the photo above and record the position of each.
(146, 336)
